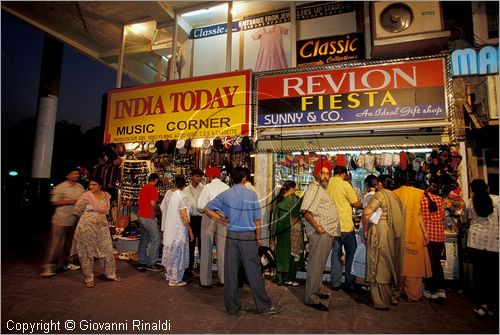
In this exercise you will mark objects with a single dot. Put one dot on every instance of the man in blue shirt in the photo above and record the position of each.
(242, 217)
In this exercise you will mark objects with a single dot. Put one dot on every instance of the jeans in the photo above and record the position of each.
(195, 223)
(435, 282)
(149, 235)
(348, 240)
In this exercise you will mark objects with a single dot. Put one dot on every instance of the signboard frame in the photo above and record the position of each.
(446, 117)
(192, 108)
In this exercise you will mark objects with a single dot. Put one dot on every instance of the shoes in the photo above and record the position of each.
(72, 267)
(336, 288)
(319, 306)
(347, 289)
(90, 284)
(274, 309)
(206, 286)
(219, 284)
(154, 268)
(47, 273)
(180, 283)
(441, 294)
(291, 283)
(438, 297)
(323, 296)
(141, 267)
(484, 311)
(394, 301)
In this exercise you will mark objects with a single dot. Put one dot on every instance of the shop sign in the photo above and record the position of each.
(202, 107)
(209, 31)
(465, 62)
(302, 13)
(324, 9)
(333, 49)
(406, 91)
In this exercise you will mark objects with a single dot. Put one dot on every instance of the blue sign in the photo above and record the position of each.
(466, 62)
(431, 111)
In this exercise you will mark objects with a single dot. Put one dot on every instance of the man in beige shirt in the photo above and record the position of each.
(64, 197)
(322, 225)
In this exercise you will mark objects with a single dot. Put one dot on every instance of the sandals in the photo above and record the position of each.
(90, 284)
(117, 279)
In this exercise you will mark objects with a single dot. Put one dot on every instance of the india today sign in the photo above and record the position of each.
(202, 107)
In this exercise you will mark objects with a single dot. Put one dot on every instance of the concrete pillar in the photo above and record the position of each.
(50, 78)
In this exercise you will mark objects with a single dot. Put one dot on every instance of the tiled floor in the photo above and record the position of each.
(146, 299)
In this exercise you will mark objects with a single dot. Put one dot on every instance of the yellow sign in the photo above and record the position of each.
(202, 107)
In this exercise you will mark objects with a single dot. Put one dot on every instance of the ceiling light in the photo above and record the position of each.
(204, 11)
(137, 28)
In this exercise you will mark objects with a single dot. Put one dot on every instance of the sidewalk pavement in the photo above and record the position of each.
(144, 302)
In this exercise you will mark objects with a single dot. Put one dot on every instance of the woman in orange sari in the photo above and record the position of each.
(416, 261)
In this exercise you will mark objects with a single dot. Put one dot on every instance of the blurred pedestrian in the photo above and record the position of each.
(64, 196)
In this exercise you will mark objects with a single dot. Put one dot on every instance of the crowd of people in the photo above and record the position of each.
(402, 229)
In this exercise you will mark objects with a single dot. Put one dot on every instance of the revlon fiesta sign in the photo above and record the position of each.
(201, 107)
(406, 91)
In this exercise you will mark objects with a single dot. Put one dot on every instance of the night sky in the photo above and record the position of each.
(83, 80)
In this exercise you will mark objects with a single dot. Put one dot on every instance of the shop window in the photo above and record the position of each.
(492, 18)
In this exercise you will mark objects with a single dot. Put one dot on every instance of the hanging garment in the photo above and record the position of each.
(271, 54)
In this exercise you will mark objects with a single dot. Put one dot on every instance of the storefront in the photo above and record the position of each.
(394, 117)
(170, 127)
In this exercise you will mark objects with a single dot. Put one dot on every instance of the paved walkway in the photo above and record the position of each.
(147, 299)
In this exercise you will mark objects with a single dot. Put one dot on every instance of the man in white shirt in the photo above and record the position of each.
(193, 192)
(210, 229)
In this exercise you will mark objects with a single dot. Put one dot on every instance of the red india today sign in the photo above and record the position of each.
(201, 107)
(403, 91)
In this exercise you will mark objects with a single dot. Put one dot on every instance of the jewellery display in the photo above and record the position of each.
(134, 177)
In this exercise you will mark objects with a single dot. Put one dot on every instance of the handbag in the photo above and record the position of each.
(359, 262)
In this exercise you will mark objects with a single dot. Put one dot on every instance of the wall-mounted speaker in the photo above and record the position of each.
(395, 19)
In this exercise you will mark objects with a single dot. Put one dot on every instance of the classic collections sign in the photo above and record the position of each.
(332, 49)
(413, 90)
(202, 107)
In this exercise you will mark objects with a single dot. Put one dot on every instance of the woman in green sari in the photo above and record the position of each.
(287, 230)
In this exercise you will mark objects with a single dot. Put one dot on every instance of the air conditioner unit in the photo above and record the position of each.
(396, 19)
(407, 28)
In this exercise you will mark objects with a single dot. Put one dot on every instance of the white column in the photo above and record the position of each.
(121, 59)
(263, 185)
(229, 36)
(44, 137)
(293, 33)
